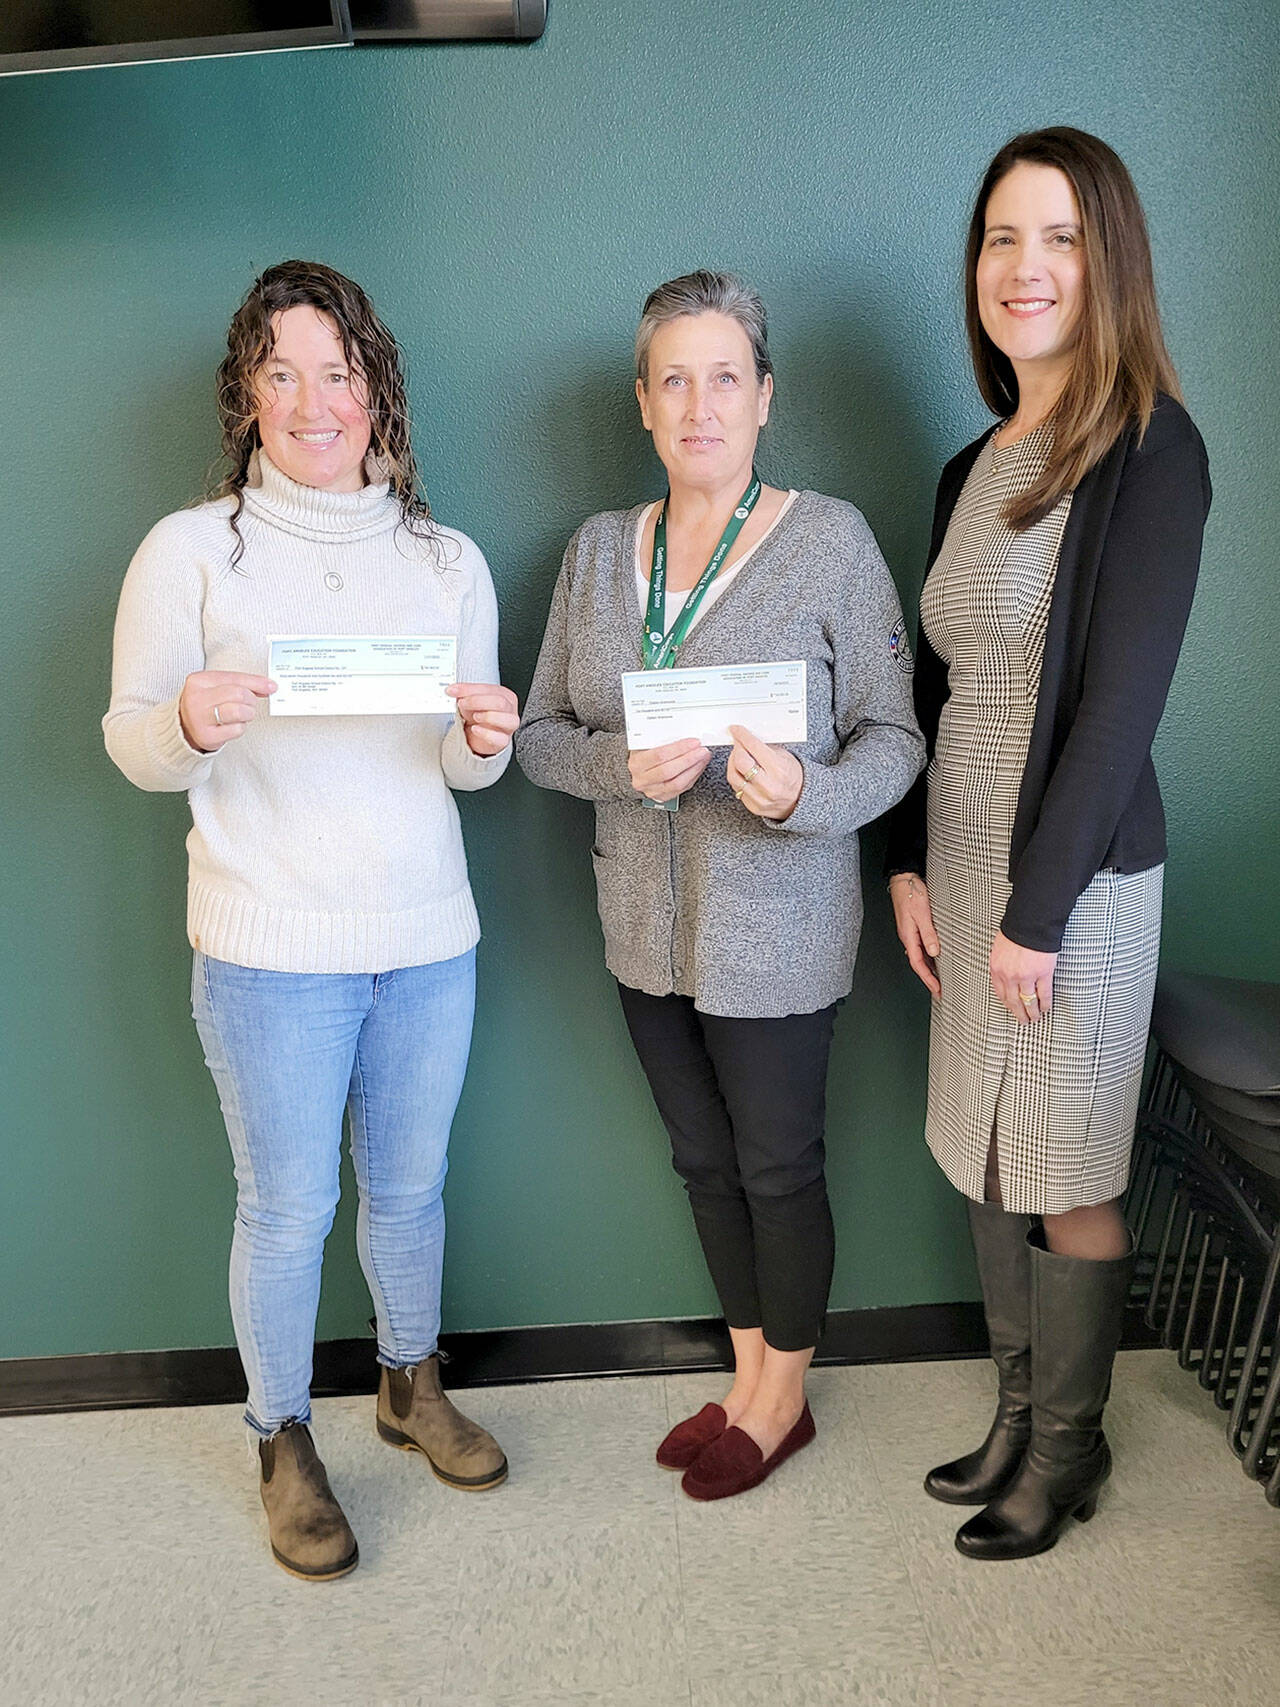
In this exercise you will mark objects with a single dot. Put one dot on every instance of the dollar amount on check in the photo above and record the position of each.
(361, 675)
(677, 705)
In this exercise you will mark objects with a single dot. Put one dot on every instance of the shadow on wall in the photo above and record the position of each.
(588, 454)
(164, 437)
(116, 863)
(853, 380)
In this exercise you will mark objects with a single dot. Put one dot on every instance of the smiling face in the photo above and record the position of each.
(701, 399)
(312, 416)
(1031, 268)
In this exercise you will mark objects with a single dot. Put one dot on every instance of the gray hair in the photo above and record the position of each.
(705, 292)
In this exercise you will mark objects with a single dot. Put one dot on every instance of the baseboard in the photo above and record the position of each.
(495, 1357)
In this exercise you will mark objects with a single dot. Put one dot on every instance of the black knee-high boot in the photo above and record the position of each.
(1004, 1269)
(1077, 1314)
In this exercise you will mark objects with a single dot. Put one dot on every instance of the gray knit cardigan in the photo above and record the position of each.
(751, 919)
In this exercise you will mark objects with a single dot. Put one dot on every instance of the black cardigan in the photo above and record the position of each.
(1126, 574)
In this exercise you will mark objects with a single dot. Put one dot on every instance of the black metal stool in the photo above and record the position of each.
(1204, 1200)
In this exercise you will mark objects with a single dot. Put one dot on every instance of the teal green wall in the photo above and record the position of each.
(508, 208)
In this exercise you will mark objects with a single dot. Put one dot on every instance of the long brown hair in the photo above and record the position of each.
(370, 350)
(1120, 361)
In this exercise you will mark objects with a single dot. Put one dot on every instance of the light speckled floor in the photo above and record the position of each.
(134, 1567)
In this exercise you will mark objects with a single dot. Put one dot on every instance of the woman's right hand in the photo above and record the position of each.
(661, 773)
(914, 918)
(215, 706)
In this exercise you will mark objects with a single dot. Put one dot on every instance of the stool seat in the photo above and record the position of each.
(1261, 1160)
(1263, 1109)
(1232, 1129)
(1225, 1030)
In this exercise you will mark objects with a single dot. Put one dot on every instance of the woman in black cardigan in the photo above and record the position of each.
(1026, 869)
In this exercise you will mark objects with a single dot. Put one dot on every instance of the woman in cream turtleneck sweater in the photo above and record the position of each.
(328, 904)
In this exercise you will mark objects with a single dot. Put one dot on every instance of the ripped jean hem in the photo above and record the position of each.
(268, 1431)
(389, 1360)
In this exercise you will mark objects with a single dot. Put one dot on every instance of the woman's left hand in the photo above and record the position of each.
(1022, 978)
(490, 715)
(767, 780)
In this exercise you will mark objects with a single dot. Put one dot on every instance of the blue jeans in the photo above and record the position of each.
(288, 1052)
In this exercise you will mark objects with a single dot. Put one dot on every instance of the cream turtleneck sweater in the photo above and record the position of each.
(319, 844)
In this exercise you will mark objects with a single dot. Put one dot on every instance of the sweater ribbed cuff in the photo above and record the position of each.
(812, 814)
(170, 751)
(465, 770)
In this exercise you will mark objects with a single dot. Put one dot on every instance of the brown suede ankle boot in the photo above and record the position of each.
(310, 1537)
(415, 1415)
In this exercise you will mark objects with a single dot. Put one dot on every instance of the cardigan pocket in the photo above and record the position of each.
(635, 917)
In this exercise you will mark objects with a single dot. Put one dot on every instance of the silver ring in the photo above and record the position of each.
(216, 718)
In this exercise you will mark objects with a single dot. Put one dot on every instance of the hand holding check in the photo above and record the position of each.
(490, 715)
(767, 780)
(763, 775)
(662, 773)
(217, 705)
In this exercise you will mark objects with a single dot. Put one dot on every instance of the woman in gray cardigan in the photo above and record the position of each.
(732, 924)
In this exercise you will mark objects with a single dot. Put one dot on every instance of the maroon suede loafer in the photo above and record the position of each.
(734, 1463)
(688, 1438)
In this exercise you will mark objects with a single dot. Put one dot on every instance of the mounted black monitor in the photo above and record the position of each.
(45, 35)
(406, 21)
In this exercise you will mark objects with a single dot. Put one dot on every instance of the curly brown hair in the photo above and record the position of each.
(370, 350)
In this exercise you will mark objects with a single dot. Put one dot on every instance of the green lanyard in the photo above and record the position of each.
(658, 652)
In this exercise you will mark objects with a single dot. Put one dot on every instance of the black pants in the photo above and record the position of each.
(744, 1102)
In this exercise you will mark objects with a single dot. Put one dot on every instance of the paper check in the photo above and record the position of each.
(675, 705)
(353, 675)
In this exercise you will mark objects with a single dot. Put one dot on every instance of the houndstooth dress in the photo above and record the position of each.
(1061, 1095)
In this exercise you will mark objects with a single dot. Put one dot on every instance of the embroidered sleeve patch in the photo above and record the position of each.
(900, 649)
